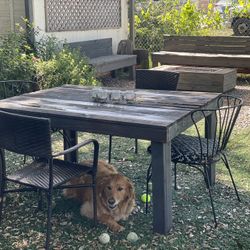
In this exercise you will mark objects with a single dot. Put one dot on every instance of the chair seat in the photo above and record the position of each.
(186, 149)
(36, 174)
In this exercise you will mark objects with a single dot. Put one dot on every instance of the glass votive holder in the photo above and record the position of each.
(100, 95)
(115, 96)
(94, 95)
(103, 96)
(129, 96)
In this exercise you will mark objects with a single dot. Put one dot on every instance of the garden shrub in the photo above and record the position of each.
(65, 67)
(46, 61)
(155, 19)
(244, 10)
(47, 47)
(16, 59)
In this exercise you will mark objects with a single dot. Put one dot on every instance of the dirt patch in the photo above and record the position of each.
(108, 81)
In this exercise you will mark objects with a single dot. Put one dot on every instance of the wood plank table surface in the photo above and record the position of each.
(156, 115)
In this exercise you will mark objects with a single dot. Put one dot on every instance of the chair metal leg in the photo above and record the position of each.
(49, 213)
(206, 179)
(24, 159)
(2, 182)
(113, 73)
(149, 175)
(110, 148)
(1, 200)
(136, 146)
(94, 199)
(39, 199)
(175, 176)
(131, 73)
(208, 184)
(224, 159)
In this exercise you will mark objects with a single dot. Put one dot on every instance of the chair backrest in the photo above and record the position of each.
(125, 47)
(156, 79)
(25, 134)
(225, 115)
(11, 88)
(93, 48)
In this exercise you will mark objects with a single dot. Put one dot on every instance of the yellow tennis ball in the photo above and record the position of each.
(144, 198)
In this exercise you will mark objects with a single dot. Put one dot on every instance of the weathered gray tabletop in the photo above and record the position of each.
(157, 116)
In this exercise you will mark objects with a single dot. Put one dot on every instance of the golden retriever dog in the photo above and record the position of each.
(115, 196)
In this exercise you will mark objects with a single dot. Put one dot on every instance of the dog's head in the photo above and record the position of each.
(114, 190)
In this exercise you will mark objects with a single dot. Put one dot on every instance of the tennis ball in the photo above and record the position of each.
(104, 238)
(144, 198)
(132, 237)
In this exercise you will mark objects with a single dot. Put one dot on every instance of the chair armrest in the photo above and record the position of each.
(79, 145)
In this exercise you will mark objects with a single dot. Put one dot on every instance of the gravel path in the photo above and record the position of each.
(242, 90)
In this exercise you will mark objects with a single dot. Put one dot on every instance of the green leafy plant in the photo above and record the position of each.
(16, 58)
(244, 10)
(47, 47)
(155, 19)
(65, 67)
(47, 61)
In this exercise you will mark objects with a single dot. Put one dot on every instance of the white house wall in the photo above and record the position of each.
(76, 36)
(11, 13)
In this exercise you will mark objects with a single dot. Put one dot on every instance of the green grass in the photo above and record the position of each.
(23, 227)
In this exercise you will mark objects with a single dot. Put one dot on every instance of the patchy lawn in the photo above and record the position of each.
(24, 228)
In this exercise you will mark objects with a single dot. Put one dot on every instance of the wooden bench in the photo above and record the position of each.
(102, 58)
(209, 51)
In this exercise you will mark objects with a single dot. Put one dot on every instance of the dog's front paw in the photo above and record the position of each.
(117, 228)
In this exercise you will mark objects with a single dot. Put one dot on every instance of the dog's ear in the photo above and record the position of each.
(101, 184)
(130, 187)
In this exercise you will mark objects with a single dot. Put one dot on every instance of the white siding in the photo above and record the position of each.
(76, 36)
(19, 11)
(11, 12)
(5, 21)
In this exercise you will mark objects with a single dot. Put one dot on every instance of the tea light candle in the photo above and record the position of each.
(94, 94)
(103, 95)
(116, 96)
(129, 96)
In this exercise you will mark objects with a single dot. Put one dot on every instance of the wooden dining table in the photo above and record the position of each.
(157, 116)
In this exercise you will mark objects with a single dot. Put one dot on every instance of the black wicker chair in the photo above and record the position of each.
(11, 88)
(32, 136)
(151, 79)
(200, 152)
(156, 79)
